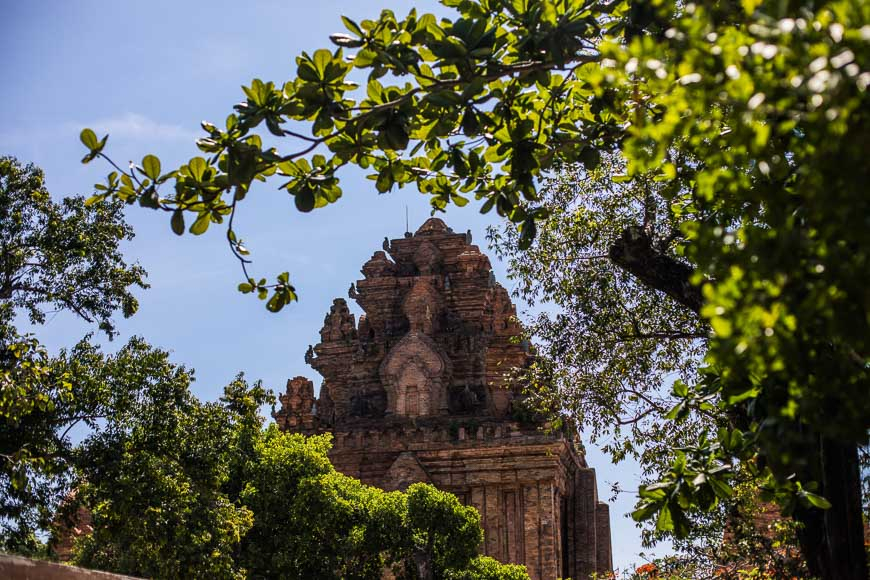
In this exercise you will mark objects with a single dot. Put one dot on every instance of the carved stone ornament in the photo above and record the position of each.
(379, 265)
(427, 258)
(415, 376)
(422, 306)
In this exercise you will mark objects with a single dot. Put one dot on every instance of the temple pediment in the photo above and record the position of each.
(404, 471)
(414, 375)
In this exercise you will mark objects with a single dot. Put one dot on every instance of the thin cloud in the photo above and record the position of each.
(128, 126)
(136, 126)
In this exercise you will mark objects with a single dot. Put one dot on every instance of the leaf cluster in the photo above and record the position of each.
(312, 521)
(65, 254)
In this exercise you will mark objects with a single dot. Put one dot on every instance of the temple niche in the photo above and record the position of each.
(420, 389)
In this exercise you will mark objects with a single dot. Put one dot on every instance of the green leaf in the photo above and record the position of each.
(736, 439)
(527, 234)
(677, 411)
(655, 492)
(815, 500)
(322, 58)
(89, 139)
(151, 167)
(197, 167)
(749, 392)
(276, 302)
(720, 487)
(665, 522)
(352, 26)
(364, 58)
(384, 182)
(459, 200)
(682, 525)
(201, 224)
(396, 137)
(645, 512)
(177, 222)
(345, 40)
(304, 199)
(721, 326)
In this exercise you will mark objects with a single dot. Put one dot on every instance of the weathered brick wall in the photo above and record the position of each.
(18, 568)
(69, 532)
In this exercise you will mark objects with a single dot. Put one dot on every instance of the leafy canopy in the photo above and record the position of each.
(152, 474)
(608, 347)
(60, 256)
(65, 255)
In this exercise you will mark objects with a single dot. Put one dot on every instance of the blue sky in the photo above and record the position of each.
(147, 73)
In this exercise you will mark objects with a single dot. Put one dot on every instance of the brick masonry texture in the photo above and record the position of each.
(421, 390)
(18, 568)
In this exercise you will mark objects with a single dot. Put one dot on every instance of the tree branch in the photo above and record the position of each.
(636, 253)
(662, 335)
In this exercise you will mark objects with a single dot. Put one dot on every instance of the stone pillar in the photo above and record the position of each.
(549, 539)
(604, 557)
(531, 530)
(493, 525)
(585, 536)
(478, 502)
(513, 529)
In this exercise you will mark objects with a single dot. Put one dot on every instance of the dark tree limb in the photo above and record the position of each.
(636, 253)
(832, 540)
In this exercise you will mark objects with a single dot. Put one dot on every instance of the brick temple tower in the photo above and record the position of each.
(420, 391)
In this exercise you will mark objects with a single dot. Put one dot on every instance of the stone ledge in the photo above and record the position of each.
(463, 433)
(20, 568)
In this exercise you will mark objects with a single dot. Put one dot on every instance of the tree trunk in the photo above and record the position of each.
(832, 540)
(423, 563)
(636, 253)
